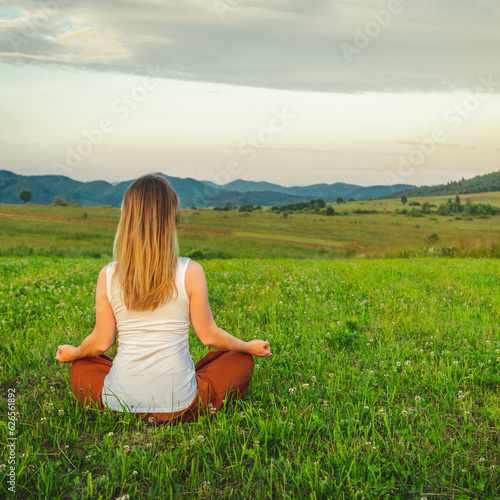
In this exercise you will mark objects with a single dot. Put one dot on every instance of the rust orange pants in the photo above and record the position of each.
(221, 376)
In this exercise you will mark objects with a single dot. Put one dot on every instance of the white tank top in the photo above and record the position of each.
(153, 371)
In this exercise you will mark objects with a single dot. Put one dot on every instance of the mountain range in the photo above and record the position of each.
(44, 188)
(486, 183)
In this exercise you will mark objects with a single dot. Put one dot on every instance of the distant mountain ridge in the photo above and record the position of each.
(485, 183)
(45, 188)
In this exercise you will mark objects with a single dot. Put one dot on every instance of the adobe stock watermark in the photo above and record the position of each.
(249, 149)
(47, 10)
(120, 108)
(453, 117)
(222, 7)
(11, 440)
(364, 36)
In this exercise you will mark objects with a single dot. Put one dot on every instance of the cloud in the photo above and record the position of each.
(312, 45)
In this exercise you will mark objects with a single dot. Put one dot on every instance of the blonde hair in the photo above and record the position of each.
(145, 247)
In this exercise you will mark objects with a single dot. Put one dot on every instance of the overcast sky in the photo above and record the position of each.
(294, 92)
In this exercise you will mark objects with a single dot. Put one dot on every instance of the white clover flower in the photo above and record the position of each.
(126, 448)
(418, 399)
(201, 438)
(305, 386)
(134, 473)
(111, 433)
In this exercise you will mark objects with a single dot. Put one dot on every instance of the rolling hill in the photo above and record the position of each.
(45, 188)
(486, 183)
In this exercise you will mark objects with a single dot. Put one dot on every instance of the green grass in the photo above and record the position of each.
(383, 384)
(89, 232)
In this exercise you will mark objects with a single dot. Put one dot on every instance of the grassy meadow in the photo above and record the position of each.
(383, 384)
(89, 232)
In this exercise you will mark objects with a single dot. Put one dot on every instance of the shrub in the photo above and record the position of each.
(60, 202)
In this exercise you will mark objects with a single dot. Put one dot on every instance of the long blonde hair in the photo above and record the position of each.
(145, 247)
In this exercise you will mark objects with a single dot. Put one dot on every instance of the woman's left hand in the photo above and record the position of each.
(66, 353)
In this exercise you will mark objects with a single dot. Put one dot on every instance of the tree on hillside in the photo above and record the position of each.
(404, 200)
(426, 208)
(25, 195)
(60, 202)
(330, 210)
(340, 200)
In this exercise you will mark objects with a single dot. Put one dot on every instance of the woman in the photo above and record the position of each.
(151, 296)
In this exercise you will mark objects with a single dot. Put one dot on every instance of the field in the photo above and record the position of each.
(89, 232)
(383, 384)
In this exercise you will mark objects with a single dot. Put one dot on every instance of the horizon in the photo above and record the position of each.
(353, 92)
(235, 180)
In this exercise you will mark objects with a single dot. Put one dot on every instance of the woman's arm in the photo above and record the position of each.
(203, 321)
(103, 335)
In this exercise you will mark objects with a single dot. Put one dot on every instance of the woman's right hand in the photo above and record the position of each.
(260, 348)
(66, 353)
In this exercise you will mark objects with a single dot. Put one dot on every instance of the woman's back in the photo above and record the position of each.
(153, 370)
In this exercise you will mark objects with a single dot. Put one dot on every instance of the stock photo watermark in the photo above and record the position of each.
(121, 108)
(47, 10)
(11, 441)
(222, 7)
(249, 149)
(363, 36)
(453, 117)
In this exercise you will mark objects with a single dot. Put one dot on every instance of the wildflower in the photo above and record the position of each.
(418, 399)
(134, 473)
(257, 366)
(212, 409)
(407, 362)
(398, 364)
(432, 354)
(386, 375)
(325, 404)
(455, 362)
(88, 457)
(256, 443)
(43, 378)
(151, 420)
(285, 409)
(61, 413)
(206, 485)
(292, 390)
(305, 386)
(330, 375)
(481, 365)
(111, 434)
(367, 407)
(3, 467)
(31, 468)
(148, 445)
(404, 413)
(242, 414)
(43, 420)
(126, 448)
(201, 438)
(313, 379)
(482, 459)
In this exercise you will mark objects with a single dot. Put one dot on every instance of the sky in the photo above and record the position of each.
(293, 92)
